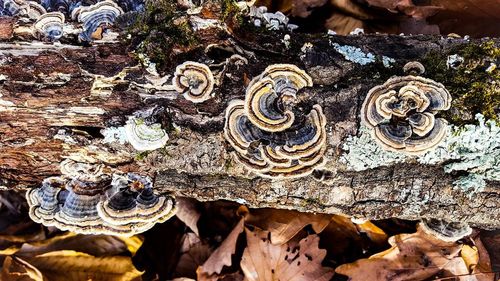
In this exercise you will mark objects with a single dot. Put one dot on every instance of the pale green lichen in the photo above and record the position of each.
(388, 61)
(474, 149)
(364, 153)
(354, 54)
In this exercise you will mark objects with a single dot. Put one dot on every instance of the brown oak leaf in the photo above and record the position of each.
(264, 261)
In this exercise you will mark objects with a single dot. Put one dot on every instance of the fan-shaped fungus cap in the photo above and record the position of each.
(126, 207)
(446, 231)
(264, 132)
(131, 201)
(35, 10)
(44, 201)
(401, 113)
(194, 80)
(50, 26)
(95, 18)
(145, 137)
(83, 171)
(13, 7)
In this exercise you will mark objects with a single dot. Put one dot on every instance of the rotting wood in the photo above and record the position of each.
(50, 109)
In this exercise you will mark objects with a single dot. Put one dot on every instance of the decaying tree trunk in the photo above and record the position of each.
(59, 101)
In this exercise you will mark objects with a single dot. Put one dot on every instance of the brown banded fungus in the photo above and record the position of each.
(270, 136)
(194, 80)
(401, 112)
(131, 201)
(93, 204)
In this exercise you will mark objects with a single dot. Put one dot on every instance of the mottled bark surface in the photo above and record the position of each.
(50, 111)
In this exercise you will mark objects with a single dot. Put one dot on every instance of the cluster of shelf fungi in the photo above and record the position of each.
(271, 134)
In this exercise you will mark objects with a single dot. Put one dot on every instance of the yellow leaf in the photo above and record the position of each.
(470, 256)
(16, 269)
(373, 232)
(10, 250)
(71, 265)
(133, 243)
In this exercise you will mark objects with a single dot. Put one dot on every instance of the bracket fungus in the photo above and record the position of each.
(96, 205)
(144, 137)
(96, 18)
(446, 231)
(401, 112)
(194, 80)
(268, 138)
(50, 26)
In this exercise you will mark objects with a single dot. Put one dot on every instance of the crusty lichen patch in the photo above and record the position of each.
(473, 149)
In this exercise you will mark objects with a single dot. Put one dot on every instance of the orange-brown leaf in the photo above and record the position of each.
(284, 224)
(416, 256)
(264, 261)
(222, 256)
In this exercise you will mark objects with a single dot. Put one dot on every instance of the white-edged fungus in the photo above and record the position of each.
(446, 231)
(122, 207)
(401, 112)
(194, 80)
(267, 138)
(95, 18)
(144, 137)
(50, 26)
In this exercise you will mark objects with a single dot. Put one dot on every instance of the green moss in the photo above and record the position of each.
(141, 155)
(229, 11)
(159, 29)
(474, 90)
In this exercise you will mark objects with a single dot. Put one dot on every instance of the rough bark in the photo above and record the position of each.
(49, 111)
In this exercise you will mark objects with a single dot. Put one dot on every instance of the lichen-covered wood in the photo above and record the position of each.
(69, 101)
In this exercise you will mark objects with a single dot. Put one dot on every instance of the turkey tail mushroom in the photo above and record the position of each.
(195, 81)
(50, 26)
(401, 112)
(446, 231)
(95, 18)
(267, 137)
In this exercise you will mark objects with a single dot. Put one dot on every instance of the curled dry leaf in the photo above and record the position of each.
(193, 254)
(264, 261)
(16, 269)
(416, 256)
(375, 233)
(188, 213)
(222, 256)
(283, 224)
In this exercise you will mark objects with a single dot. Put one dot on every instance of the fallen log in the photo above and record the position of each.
(68, 101)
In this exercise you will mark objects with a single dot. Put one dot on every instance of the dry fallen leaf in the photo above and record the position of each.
(188, 213)
(222, 255)
(416, 256)
(283, 224)
(16, 269)
(70, 265)
(193, 254)
(264, 261)
(375, 233)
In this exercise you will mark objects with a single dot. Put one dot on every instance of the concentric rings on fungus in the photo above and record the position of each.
(50, 26)
(95, 18)
(267, 137)
(194, 80)
(145, 137)
(96, 205)
(446, 231)
(401, 113)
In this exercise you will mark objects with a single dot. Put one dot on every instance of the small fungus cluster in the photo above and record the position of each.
(272, 21)
(401, 112)
(49, 16)
(194, 80)
(271, 137)
(86, 199)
